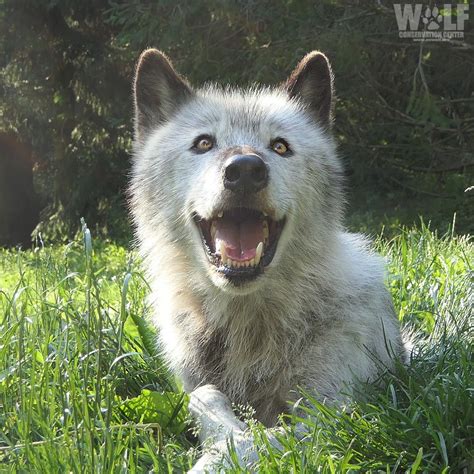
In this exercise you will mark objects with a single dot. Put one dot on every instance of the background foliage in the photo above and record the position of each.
(404, 114)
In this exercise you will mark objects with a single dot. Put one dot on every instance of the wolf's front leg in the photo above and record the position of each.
(218, 426)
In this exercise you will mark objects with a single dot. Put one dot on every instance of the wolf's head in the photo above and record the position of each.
(239, 186)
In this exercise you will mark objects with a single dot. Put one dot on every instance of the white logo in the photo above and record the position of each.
(438, 23)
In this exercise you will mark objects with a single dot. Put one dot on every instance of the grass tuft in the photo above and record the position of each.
(83, 387)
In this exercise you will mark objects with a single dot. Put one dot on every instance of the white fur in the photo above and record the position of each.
(319, 317)
(317, 267)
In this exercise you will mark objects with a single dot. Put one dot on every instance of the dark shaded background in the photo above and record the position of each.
(404, 114)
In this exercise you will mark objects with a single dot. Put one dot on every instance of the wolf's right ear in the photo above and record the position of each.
(158, 91)
(312, 81)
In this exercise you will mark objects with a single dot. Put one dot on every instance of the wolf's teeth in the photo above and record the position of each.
(266, 233)
(213, 229)
(220, 214)
(230, 263)
(222, 251)
(258, 253)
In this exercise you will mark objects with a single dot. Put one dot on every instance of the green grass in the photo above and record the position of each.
(82, 387)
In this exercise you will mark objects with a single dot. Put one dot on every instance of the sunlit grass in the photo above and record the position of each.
(83, 389)
(76, 352)
(421, 418)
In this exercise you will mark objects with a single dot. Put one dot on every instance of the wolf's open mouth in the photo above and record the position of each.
(240, 242)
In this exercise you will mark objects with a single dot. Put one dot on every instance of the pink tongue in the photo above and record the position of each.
(240, 239)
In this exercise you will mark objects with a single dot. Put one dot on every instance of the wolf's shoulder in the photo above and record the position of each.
(355, 275)
(355, 261)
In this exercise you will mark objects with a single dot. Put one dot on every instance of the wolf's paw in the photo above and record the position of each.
(213, 413)
(432, 18)
(219, 427)
(216, 457)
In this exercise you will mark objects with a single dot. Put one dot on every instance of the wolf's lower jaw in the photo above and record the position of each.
(239, 242)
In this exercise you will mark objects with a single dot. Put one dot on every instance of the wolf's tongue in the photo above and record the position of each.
(240, 238)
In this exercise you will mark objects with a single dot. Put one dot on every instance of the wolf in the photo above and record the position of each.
(237, 196)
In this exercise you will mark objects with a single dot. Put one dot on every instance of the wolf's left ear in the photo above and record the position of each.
(158, 91)
(312, 81)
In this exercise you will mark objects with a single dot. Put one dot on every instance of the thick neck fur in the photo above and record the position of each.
(239, 342)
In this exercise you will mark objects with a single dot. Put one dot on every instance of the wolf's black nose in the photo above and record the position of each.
(245, 173)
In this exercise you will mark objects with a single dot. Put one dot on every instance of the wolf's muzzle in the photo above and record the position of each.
(245, 173)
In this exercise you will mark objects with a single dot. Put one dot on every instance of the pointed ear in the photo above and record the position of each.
(158, 91)
(312, 82)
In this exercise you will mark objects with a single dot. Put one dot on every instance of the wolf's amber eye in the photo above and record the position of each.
(280, 146)
(203, 143)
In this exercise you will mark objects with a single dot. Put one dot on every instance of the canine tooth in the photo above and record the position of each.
(222, 251)
(258, 253)
(266, 232)
(213, 229)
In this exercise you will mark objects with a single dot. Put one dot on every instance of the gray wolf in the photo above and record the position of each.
(237, 198)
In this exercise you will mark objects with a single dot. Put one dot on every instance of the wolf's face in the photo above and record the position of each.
(235, 182)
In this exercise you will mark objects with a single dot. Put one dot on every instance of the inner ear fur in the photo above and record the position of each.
(158, 91)
(312, 81)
